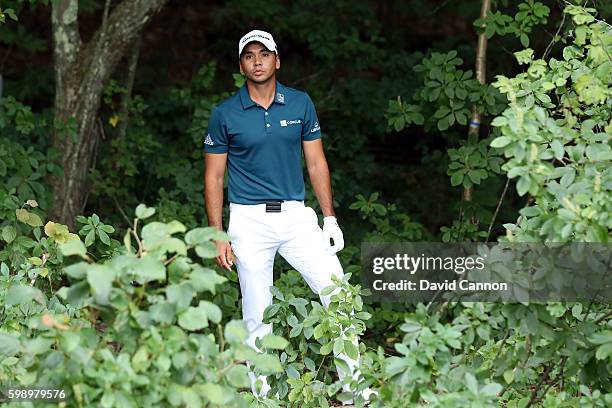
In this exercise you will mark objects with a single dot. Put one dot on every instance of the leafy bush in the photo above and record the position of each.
(140, 318)
(560, 152)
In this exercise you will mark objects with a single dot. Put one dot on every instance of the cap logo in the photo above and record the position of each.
(255, 36)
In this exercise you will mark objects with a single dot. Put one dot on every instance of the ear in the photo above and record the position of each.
(277, 61)
(240, 67)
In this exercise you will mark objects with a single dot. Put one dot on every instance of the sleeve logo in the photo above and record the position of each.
(315, 127)
(208, 140)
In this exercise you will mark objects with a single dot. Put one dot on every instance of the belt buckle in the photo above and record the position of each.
(273, 206)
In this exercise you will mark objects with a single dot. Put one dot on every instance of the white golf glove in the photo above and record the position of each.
(333, 231)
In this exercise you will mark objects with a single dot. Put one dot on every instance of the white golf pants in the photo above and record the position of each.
(256, 236)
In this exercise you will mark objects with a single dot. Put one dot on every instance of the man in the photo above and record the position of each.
(260, 133)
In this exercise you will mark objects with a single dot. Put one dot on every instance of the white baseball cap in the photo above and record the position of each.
(260, 36)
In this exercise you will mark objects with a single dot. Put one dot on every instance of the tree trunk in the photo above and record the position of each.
(474, 127)
(81, 72)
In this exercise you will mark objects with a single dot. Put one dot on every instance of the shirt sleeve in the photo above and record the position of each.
(216, 140)
(310, 127)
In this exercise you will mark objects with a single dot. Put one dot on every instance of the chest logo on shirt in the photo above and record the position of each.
(290, 122)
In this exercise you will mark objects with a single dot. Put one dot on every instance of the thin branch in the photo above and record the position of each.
(121, 211)
(552, 42)
(501, 199)
(534, 396)
(604, 317)
(307, 77)
(435, 10)
(502, 344)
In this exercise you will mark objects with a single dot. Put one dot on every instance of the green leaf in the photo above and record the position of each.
(174, 245)
(295, 331)
(491, 389)
(557, 148)
(107, 228)
(180, 294)
(9, 345)
(238, 376)
(509, 376)
(175, 226)
(604, 351)
(457, 178)
(205, 279)
(35, 261)
(207, 250)
(100, 279)
(338, 346)
(73, 247)
(35, 220)
(443, 123)
(524, 40)
(501, 141)
(326, 348)
(9, 233)
(38, 345)
(29, 218)
(500, 121)
(522, 186)
(148, 269)
(328, 290)
(20, 294)
(103, 236)
(154, 235)
(140, 359)
(196, 318)
(236, 331)
(602, 337)
(90, 238)
(142, 211)
(471, 383)
(216, 394)
(77, 294)
(212, 310)
(77, 270)
(267, 363)
(274, 342)
(163, 312)
(22, 215)
(351, 350)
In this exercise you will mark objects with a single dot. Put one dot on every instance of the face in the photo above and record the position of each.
(258, 64)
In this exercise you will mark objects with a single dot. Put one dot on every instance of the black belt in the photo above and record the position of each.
(273, 205)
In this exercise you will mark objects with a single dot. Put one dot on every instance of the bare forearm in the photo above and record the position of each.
(213, 192)
(321, 184)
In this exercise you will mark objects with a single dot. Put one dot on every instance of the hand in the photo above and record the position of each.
(226, 257)
(333, 231)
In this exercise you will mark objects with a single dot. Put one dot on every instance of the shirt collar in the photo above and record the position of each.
(247, 102)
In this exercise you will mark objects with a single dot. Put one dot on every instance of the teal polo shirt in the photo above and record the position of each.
(263, 146)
